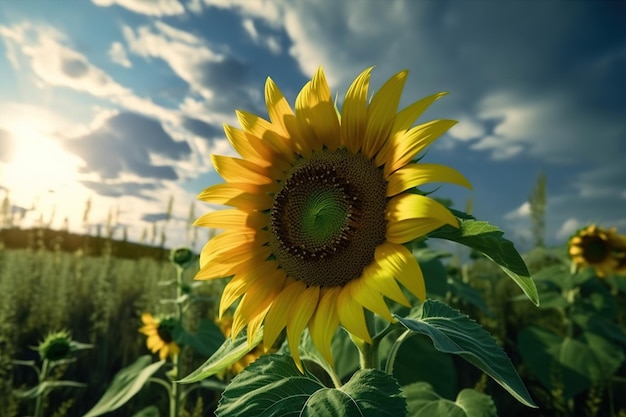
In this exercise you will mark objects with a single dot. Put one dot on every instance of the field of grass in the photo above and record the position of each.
(569, 351)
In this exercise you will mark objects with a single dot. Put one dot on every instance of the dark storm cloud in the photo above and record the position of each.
(223, 75)
(200, 128)
(228, 79)
(6, 146)
(122, 189)
(74, 68)
(124, 143)
(154, 217)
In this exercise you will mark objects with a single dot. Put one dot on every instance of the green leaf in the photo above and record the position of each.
(229, 353)
(453, 332)
(150, 411)
(434, 271)
(486, 238)
(125, 385)
(416, 359)
(423, 401)
(273, 386)
(45, 387)
(206, 341)
(570, 364)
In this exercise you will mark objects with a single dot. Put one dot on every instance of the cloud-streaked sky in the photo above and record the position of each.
(122, 101)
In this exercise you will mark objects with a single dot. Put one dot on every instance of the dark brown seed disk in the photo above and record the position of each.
(328, 217)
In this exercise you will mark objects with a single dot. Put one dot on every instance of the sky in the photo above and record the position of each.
(120, 103)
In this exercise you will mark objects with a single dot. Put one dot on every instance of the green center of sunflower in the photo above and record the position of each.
(595, 249)
(165, 330)
(328, 217)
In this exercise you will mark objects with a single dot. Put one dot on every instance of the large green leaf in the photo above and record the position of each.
(572, 364)
(125, 385)
(453, 332)
(229, 353)
(423, 401)
(486, 238)
(273, 386)
(417, 360)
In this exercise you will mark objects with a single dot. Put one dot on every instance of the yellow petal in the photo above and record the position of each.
(369, 298)
(256, 299)
(414, 175)
(276, 318)
(403, 148)
(316, 114)
(261, 128)
(244, 196)
(244, 281)
(402, 264)
(381, 113)
(232, 264)
(232, 219)
(147, 318)
(325, 321)
(382, 280)
(232, 240)
(254, 325)
(354, 112)
(298, 318)
(240, 170)
(351, 316)
(250, 147)
(410, 216)
(405, 119)
(279, 110)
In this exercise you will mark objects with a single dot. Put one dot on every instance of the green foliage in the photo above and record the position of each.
(453, 332)
(423, 401)
(125, 385)
(484, 237)
(229, 353)
(273, 386)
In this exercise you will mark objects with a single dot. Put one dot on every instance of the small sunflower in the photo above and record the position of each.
(602, 249)
(56, 346)
(323, 203)
(160, 335)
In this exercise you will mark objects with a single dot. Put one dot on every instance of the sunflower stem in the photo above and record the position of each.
(175, 393)
(368, 352)
(39, 404)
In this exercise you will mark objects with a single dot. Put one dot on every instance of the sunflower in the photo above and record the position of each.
(602, 249)
(323, 203)
(160, 338)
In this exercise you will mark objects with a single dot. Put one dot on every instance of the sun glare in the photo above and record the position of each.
(37, 164)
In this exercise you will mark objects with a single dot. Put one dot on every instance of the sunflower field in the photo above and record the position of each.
(330, 285)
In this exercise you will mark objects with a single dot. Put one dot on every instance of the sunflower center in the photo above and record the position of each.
(596, 249)
(328, 217)
(166, 330)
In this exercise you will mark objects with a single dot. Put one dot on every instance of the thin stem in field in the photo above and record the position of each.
(43, 374)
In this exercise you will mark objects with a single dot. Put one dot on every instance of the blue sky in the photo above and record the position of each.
(122, 101)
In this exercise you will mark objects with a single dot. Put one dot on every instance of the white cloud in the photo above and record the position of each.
(117, 52)
(568, 228)
(184, 52)
(522, 212)
(57, 65)
(268, 10)
(467, 128)
(268, 41)
(147, 7)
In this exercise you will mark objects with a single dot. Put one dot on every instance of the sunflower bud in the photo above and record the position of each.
(181, 256)
(56, 346)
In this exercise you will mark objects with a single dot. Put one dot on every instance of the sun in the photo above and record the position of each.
(37, 164)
